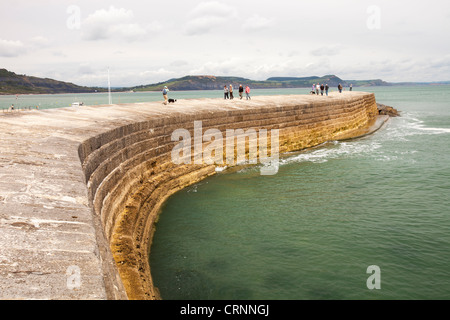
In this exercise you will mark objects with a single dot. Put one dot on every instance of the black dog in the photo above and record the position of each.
(172, 100)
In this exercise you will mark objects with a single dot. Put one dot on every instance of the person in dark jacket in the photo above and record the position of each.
(241, 91)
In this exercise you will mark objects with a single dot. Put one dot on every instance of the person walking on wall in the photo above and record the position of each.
(351, 87)
(313, 89)
(322, 87)
(317, 89)
(326, 89)
(231, 92)
(225, 92)
(247, 92)
(165, 92)
(340, 88)
(241, 91)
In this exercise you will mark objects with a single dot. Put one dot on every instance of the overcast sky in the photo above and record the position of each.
(144, 42)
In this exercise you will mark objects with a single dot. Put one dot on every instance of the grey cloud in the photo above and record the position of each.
(179, 63)
(441, 63)
(114, 23)
(326, 51)
(10, 48)
(257, 22)
(207, 16)
(85, 69)
(59, 54)
(203, 25)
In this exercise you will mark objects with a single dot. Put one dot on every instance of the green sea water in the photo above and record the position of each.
(312, 230)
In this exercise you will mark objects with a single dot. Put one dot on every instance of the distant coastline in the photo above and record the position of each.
(14, 84)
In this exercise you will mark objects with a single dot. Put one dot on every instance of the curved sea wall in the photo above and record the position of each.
(82, 187)
(129, 171)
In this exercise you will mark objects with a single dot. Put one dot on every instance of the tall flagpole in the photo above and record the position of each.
(109, 89)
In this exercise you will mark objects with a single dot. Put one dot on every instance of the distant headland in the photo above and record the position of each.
(12, 83)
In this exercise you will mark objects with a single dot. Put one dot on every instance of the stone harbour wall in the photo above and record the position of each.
(111, 167)
(130, 173)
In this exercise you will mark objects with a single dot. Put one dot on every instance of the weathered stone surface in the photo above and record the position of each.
(83, 186)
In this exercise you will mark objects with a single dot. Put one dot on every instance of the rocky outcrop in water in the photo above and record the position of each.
(386, 110)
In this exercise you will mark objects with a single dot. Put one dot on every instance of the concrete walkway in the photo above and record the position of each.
(48, 241)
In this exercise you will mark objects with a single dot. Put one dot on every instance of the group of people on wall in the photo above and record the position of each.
(228, 91)
(321, 88)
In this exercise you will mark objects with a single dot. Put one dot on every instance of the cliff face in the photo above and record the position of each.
(130, 173)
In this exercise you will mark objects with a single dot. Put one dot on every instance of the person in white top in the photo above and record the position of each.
(225, 92)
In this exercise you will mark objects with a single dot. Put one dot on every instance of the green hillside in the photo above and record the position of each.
(217, 83)
(204, 83)
(11, 83)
